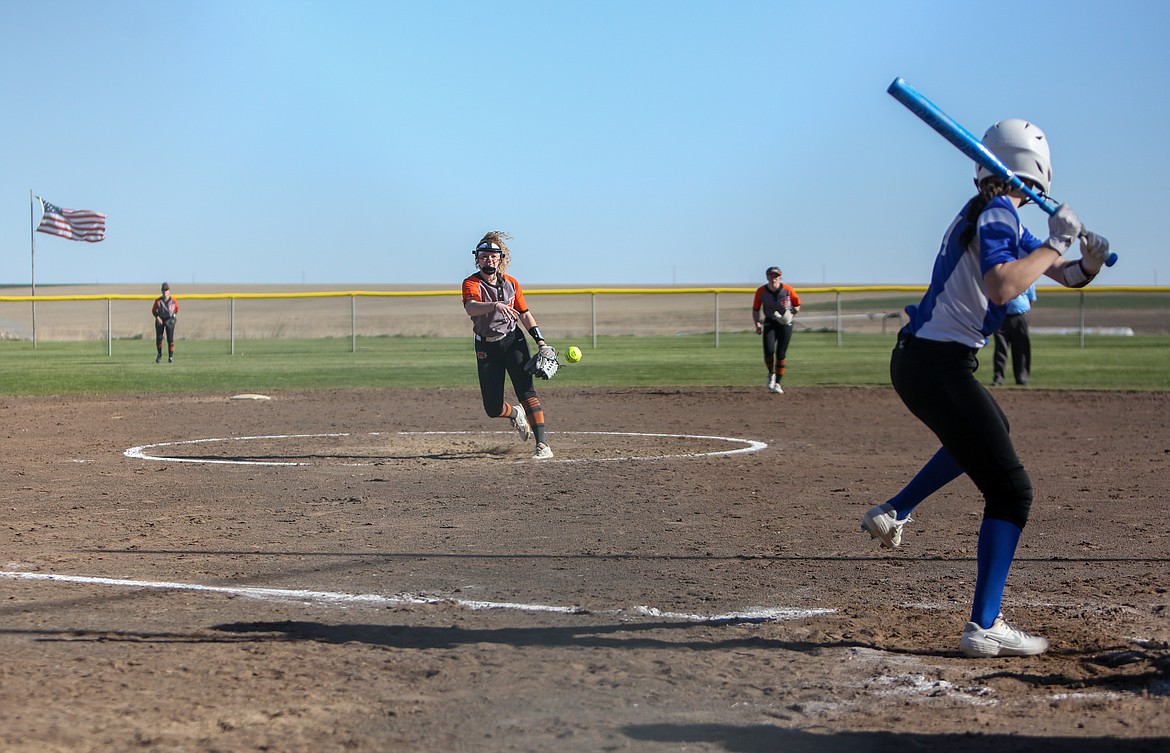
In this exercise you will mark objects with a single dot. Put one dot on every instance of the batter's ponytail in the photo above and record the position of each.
(989, 188)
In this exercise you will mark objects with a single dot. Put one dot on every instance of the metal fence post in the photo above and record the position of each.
(593, 317)
(1082, 307)
(716, 319)
(837, 297)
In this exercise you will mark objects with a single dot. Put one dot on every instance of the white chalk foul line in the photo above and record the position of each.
(753, 614)
(143, 452)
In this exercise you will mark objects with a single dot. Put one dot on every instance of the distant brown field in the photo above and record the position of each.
(577, 315)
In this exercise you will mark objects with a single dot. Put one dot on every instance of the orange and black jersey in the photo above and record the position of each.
(507, 289)
(165, 309)
(771, 301)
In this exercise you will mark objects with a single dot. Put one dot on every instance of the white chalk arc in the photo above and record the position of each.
(149, 451)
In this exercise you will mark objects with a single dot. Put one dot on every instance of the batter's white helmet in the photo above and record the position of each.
(1023, 148)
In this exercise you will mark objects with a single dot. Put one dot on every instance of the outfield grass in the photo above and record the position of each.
(263, 366)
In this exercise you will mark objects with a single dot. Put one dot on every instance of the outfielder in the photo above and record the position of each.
(165, 310)
(496, 305)
(987, 258)
(772, 311)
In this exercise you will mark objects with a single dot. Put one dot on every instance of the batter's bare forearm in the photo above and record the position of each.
(1072, 274)
(1005, 281)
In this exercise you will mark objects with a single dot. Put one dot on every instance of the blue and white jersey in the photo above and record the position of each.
(956, 307)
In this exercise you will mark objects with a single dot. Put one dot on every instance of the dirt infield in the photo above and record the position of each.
(341, 581)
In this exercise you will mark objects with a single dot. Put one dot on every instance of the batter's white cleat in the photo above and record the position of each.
(774, 386)
(521, 423)
(1001, 639)
(543, 452)
(883, 524)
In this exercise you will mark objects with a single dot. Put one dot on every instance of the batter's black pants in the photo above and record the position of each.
(936, 381)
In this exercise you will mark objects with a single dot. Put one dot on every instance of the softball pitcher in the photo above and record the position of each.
(987, 258)
(772, 311)
(496, 305)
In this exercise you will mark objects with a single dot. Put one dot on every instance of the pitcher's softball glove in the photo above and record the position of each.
(544, 364)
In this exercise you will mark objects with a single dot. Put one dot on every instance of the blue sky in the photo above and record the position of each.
(351, 143)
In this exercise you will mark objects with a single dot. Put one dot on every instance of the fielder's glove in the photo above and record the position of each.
(544, 364)
(783, 317)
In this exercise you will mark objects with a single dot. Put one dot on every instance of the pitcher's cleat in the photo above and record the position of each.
(1001, 639)
(521, 423)
(543, 452)
(883, 524)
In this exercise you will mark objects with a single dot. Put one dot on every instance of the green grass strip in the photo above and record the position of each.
(814, 359)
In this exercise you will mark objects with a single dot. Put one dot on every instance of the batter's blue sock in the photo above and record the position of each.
(939, 471)
(997, 548)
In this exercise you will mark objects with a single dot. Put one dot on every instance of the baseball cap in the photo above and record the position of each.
(166, 286)
(772, 271)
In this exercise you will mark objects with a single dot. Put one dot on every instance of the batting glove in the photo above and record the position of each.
(1063, 228)
(1094, 251)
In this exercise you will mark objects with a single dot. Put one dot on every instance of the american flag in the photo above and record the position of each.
(74, 224)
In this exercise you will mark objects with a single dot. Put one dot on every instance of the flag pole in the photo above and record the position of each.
(32, 234)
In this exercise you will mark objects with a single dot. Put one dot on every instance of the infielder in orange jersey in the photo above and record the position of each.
(496, 305)
(165, 310)
(772, 311)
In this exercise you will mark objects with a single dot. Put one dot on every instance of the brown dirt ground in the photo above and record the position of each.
(645, 555)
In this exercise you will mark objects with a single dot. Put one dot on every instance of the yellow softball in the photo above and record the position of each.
(573, 354)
